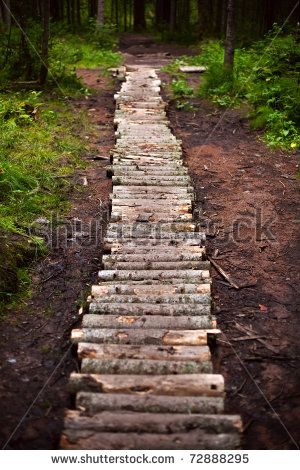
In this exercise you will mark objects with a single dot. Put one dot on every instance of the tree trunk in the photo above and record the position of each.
(78, 12)
(139, 15)
(100, 13)
(173, 11)
(230, 36)
(45, 42)
(7, 14)
(93, 8)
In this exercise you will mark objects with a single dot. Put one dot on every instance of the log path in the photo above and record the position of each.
(146, 379)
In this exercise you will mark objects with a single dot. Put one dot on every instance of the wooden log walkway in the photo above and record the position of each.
(146, 378)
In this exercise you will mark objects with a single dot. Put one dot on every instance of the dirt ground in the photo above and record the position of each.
(247, 204)
(35, 339)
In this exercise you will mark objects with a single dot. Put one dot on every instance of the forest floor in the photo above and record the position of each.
(246, 200)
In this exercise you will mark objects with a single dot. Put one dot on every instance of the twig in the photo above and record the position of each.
(247, 338)
(55, 274)
(222, 272)
(251, 421)
(251, 333)
(240, 388)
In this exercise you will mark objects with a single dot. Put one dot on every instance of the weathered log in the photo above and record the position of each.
(155, 423)
(112, 245)
(156, 289)
(167, 250)
(194, 439)
(144, 170)
(152, 180)
(192, 68)
(156, 265)
(161, 189)
(157, 204)
(175, 256)
(114, 275)
(148, 309)
(138, 238)
(158, 217)
(149, 352)
(151, 322)
(145, 336)
(96, 402)
(195, 385)
(176, 299)
(144, 366)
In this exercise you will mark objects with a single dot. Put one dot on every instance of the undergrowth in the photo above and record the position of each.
(266, 76)
(41, 143)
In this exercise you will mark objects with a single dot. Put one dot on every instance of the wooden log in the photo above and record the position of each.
(150, 352)
(114, 275)
(149, 309)
(151, 322)
(152, 232)
(176, 299)
(140, 229)
(158, 217)
(144, 366)
(148, 189)
(111, 245)
(175, 256)
(96, 402)
(133, 289)
(144, 170)
(155, 423)
(145, 336)
(157, 204)
(151, 180)
(195, 385)
(160, 250)
(155, 265)
(193, 439)
(192, 68)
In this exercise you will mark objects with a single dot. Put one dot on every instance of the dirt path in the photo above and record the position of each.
(236, 177)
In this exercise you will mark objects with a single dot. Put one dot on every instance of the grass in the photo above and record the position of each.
(42, 141)
(41, 145)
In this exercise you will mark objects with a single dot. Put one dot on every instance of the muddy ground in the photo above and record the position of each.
(247, 204)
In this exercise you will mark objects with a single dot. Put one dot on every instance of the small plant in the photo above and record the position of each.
(268, 82)
(181, 91)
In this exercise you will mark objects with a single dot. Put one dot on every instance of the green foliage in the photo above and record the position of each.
(71, 51)
(266, 76)
(38, 146)
(181, 91)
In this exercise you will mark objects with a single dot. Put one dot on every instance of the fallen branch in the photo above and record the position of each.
(251, 333)
(223, 273)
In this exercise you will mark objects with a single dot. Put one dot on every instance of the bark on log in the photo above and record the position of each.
(150, 322)
(194, 439)
(144, 366)
(133, 289)
(113, 275)
(154, 353)
(156, 265)
(135, 336)
(155, 423)
(177, 299)
(96, 402)
(194, 385)
(149, 309)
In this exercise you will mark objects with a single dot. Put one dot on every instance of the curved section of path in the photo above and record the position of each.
(146, 379)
